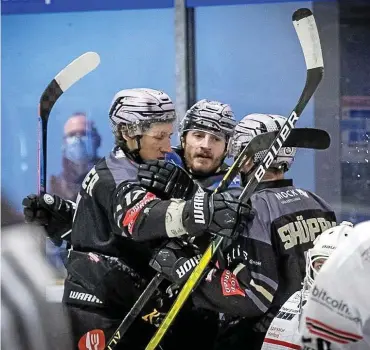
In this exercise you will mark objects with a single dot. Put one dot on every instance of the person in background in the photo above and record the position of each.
(80, 146)
(81, 142)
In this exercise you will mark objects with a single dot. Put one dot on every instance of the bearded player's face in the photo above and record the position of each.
(203, 151)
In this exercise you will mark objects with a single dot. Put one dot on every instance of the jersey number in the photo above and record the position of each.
(132, 196)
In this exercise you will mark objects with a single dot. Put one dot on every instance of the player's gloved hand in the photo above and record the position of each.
(50, 211)
(166, 180)
(175, 261)
(221, 214)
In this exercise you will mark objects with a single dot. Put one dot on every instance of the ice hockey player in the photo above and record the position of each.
(283, 332)
(288, 220)
(336, 315)
(118, 224)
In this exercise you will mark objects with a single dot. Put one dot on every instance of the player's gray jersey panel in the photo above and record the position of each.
(121, 168)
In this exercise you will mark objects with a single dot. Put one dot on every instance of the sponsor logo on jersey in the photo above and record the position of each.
(303, 230)
(230, 285)
(321, 296)
(291, 195)
(285, 315)
(92, 340)
(254, 262)
(328, 246)
(132, 214)
(84, 297)
(199, 208)
(236, 253)
(188, 265)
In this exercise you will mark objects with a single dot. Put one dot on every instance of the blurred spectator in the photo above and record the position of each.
(28, 321)
(80, 146)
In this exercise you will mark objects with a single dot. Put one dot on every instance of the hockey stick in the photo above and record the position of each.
(72, 73)
(259, 143)
(306, 29)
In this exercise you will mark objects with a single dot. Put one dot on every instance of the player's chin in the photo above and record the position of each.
(203, 165)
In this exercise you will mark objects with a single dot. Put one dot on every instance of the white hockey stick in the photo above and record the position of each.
(72, 73)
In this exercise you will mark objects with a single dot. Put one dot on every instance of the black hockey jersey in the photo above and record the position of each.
(115, 217)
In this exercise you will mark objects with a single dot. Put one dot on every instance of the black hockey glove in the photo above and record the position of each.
(175, 261)
(52, 212)
(221, 214)
(166, 180)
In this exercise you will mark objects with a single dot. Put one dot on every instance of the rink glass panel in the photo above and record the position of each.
(246, 55)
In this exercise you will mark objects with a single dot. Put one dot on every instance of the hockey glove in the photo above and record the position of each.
(52, 212)
(175, 261)
(166, 180)
(221, 214)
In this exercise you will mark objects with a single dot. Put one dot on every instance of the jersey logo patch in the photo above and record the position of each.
(92, 340)
(230, 285)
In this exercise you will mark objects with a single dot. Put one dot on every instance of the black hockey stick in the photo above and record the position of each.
(72, 73)
(259, 143)
(306, 29)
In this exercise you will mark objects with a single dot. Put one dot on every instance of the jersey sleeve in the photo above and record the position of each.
(142, 216)
(338, 307)
(247, 284)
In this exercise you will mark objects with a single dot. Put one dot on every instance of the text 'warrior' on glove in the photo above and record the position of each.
(175, 261)
(166, 180)
(220, 214)
(50, 211)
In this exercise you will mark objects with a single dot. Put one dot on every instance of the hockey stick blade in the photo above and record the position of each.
(257, 144)
(72, 73)
(67, 77)
(306, 29)
(308, 138)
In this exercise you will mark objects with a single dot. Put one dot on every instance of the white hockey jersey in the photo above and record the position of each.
(283, 332)
(337, 313)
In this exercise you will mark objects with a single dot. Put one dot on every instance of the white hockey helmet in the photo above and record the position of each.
(210, 116)
(134, 110)
(324, 245)
(254, 124)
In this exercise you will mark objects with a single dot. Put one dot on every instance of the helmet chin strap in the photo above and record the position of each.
(134, 154)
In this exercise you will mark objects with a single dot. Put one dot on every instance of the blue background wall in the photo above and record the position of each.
(247, 55)
(135, 51)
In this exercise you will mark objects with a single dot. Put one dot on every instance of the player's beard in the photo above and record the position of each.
(202, 163)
